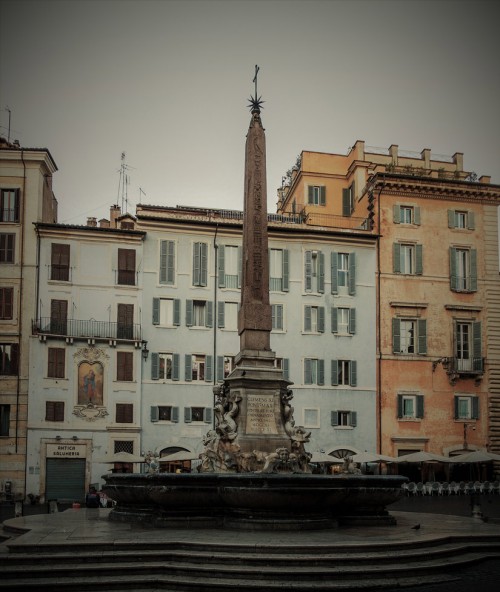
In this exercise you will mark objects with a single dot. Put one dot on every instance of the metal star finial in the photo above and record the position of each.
(255, 102)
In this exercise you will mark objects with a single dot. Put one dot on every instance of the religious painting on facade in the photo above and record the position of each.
(90, 381)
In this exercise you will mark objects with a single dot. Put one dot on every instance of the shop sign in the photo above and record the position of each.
(66, 451)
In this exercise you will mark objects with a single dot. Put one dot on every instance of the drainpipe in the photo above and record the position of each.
(215, 319)
(379, 325)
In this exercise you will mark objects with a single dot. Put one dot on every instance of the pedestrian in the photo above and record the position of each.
(92, 499)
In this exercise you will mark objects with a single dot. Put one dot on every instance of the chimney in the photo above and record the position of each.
(103, 223)
(114, 213)
(92, 221)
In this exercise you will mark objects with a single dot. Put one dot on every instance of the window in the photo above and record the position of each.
(463, 269)
(227, 315)
(407, 258)
(316, 195)
(198, 414)
(9, 205)
(4, 420)
(125, 366)
(409, 336)
(468, 347)
(200, 264)
(344, 372)
(56, 362)
(9, 359)
(314, 319)
(284, 365)
(126, 267)
(406, 214)
(199, 313)
(165, 413)
(165, 366)
(166, 312)
(58, 317)
(348, 200)
(7, 246)
(343, 269)
(466, 407)
(461, 219)
(344, 419)
(54, 411)
(311, 418)
(198, 368)
(410, 406)
(314, 271)
(124, 413)
(125, 321)
(123, 446)
(6, 303)
(277, 317)
(314, 371)
(344, 321)
(59, 262)
(278, 270)
(225, 365)
(167, 262)
(229, 266)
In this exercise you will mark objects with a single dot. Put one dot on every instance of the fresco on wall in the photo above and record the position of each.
(90, 380)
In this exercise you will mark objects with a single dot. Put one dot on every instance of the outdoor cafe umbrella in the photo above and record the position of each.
(181, 455)
(122, 457)
(372, 457)
(423, 457)
(321, 457)
(476, 456)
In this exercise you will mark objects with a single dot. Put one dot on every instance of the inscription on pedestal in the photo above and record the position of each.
(260, 415)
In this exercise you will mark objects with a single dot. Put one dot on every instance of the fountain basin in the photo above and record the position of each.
(254, 501)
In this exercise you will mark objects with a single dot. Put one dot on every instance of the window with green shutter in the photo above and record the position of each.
(316, 195)
(200, 264)
(167, 262)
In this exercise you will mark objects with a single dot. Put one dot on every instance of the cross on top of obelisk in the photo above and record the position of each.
(255, 101)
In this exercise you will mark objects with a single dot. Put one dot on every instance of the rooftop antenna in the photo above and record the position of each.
(8, 130)
(141, 192)
(123, 183)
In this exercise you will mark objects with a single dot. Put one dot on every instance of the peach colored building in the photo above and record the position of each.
(438, 287)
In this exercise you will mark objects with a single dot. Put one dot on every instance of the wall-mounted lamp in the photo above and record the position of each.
(75, 438)
(58, 438)
(145, 350)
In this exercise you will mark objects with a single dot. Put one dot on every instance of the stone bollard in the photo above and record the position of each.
(53, 508)
(18, 508)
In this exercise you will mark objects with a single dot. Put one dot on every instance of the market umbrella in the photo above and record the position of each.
(123, 457)
(476, 456)
(181, 455)
(372, 457)
(421, 456)
(321, 457)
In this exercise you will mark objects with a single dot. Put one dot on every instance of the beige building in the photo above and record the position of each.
(438, 322)
(25, 197)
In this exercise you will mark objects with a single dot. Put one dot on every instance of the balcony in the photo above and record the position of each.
(86, 330)
(465, 368)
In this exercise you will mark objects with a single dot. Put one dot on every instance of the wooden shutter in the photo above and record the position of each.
(167, 262)
(354, 419)
(155, 366)
(286, 271)
(400, 406)
(203, 264)
(471, 224)
(220, 368)
(154, 413)
(310, 194)
(396, 258)
(422, 336)
(221, 314)
(58, 316)
(321, 372)
(126, 267)
(174, 414)
(59, 262)
(352, 274)
(453, 269)
(321, 319)
(124, 363)
(188, 367)
(240, 265)
(352, 321)
(124, 413)
(207, 415)
(56, 362)
(420, 406)
(451, 219)
(307, 371)
(477, 347)
(196, 263)
(221, 266)
(308, 270)
(321, 272)
(176, 363)
(335, 418)
(335, 328)
(189, 313)
(286, 368)
(6, 303)
(208, 368)
(416, 216)
(353, 373)
(335, 372)
(125, 321)
(474, 407)
(455, 406)
(334, 265)
(156, 311)
(473, 270)
(210, 314)
(307, 318)
(188, 415)
(419, 267)
(177, 312)
(346, 202)
(396, 210)
(322, 195)
(396, 336)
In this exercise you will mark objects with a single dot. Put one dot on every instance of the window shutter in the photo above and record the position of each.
(156, 311)
(321, 372)
(354, 419)
(335, 372)
(476, 346)
(473, 270)
(422, 336)
(189, 313)
(451, 219)
(321, 272)
(396, 258)
(240, 265)
(221, 266)
(220, 314)
(210, 314)
(346, 202)
(419, 259)
(203, 263)
(188, 415)
(163, 261)
(397, 213)
(353, 373)
(170, 262)
(208, 368)
(196, 263)
(176, 366)
(334, 269)
(188, 372)
(177, 312)
(352, 274)
(335, 328)
(352, 321)
(154, 414)
(286, 368)
(400, 406)
(420, 406)
(475, 407)
(220, 368)
(416, 215)
(174, 414)
(279, 316)
(51, 370)
(310, 194)
(453, 269)
(207, 415)
(307, 318)
(307, 371)
(322, 195)
(321, 319)
(286, 271)
(396, 336)
(471, 225)
(455, 404)
(155, 366)
(335, 418)
(308, 270)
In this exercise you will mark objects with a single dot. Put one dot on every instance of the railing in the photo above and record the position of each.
(466, 366)
(86, 329)
(333, 221)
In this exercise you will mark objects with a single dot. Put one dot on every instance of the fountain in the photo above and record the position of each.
(255, 471)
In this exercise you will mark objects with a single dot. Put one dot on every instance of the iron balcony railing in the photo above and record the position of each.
(466, 365)
(86, 329)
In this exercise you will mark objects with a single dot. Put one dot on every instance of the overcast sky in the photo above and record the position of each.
(167, 83)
